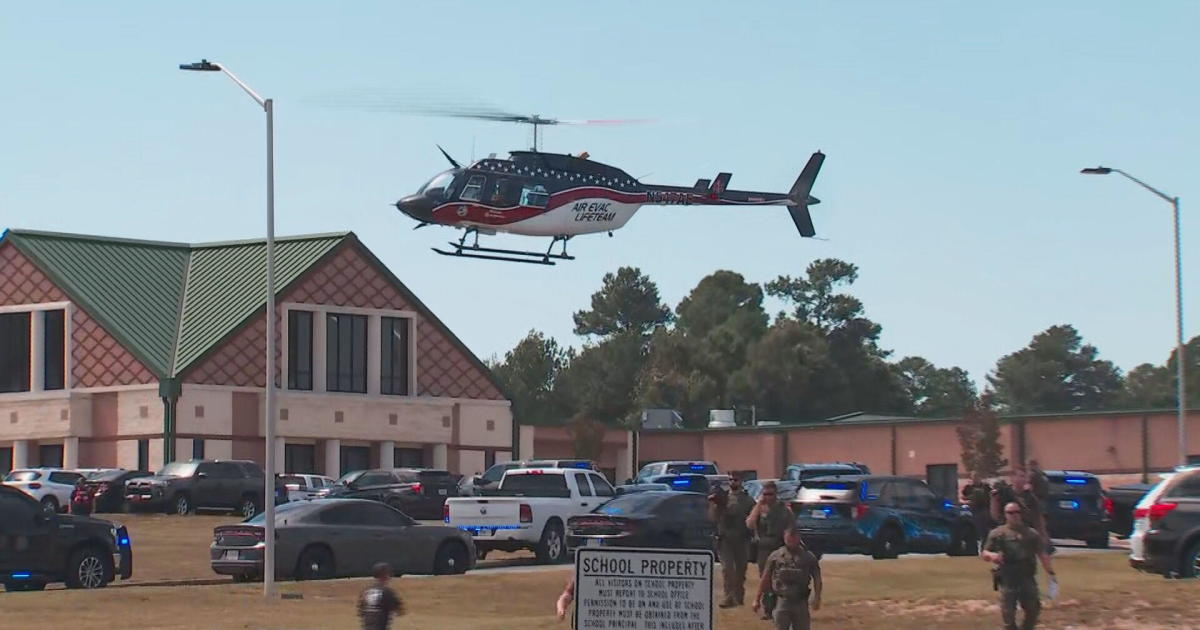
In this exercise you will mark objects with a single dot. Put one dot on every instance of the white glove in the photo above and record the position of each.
(1052, 588)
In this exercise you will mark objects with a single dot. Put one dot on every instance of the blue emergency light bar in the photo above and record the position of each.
(680, 482)
(22, 576)
(582, 465)
(697, 467)
(1076, 481)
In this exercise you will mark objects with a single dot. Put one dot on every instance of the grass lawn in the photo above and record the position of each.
(1098, 591)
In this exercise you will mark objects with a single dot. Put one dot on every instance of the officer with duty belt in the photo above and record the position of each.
(1014, 548)
(790, 573)
(729, 511)
(769, 519)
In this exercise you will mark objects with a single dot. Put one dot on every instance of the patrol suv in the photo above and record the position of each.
(882, 516)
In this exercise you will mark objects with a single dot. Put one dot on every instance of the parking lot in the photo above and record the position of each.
(174, 588)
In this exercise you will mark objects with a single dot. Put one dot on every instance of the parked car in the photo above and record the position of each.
(634, 488)
(881, 515)
(81, 551)
(52, 487)
(108, 488)
(418, 492)
(787, 489)
(1170, 542)
(184, 487)
(675, 467)
(339, 538)
(303, 486)
(1075, 508)
(1141, 516)
(670, 520)
(490, 479)
(800, 472)
(684, 482)
(1121, 502)
(530, 510)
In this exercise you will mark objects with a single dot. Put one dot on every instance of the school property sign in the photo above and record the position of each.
(643, 589)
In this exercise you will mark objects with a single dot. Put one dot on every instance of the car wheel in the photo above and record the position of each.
(552, 549)
(87, 568)
(1189, 564)
(887, 544)
(49, 504)
(248, 507)
(182, 505)
(316, 563)
(452, 559)
(17, 587)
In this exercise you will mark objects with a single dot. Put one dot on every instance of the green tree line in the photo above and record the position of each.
(720, 349)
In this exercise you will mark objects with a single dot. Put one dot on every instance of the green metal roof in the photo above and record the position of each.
(168, 303)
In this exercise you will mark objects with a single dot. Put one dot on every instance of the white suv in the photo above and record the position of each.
(51, 487)
(301, 486)
(1141, 517)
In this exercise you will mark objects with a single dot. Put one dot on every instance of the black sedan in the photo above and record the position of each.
(670, 519)
(108, 488)
(340, 538)
(418, 492)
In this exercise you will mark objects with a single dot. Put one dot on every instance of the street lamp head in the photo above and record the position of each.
(203, 65)
(1099, 170)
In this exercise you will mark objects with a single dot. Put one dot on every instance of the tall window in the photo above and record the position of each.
(393, 375)
(54, 366)
(300, 350)
(197, 448)
(143, 454)
(346, 353)
(14, 352)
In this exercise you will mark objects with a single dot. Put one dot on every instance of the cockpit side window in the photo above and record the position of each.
(535, 196)
(440, 186)
(473, 191)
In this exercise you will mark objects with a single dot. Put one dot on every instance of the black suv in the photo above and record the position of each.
(418, 492)
(1172, 544)
(1075, 508)
(37, 547)
(183, 487)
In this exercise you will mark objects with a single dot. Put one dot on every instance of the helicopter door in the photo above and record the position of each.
(505, 193)
(534, 196)
(473, 191)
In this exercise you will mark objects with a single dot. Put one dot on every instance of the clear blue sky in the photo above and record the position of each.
(954, 133)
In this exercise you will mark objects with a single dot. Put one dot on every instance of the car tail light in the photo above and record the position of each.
(526, 513)
(416, 487)
(292, 486)
(35, 486)
(1159, 510)
(1107, 505)
(860, 510)
(445, 512)
(1141, 513)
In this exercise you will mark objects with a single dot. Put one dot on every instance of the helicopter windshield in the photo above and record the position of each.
(439, 186)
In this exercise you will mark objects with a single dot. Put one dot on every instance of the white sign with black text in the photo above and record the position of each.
(643, 589)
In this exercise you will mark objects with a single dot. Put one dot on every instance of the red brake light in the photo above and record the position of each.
(526, 513)
(445, 512)
(416, 487)
(1159, 510)
(535, 472)
(860, 510)
(1140, 513)
(35, 486)
(1107, 504)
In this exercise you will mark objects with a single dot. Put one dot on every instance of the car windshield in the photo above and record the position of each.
(281, 512)
(684, 483)
(23, 475)
(349, 478)
(636, 503)
(536, 485)
(699, 469)
(106, 475)
(1074, 485)
(292, 480)
(178, 469)
(807, 473)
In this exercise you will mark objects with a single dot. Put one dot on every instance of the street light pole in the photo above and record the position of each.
(1180, 385)
(268, 106)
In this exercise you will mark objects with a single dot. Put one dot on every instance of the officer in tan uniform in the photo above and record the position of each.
(1014, 548)
(790, 573)
(769, 519)
(728, 510)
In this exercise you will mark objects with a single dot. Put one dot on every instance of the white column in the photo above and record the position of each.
(37, 351)
(20, 454)
(387, 454)
(71, 452)
(441, 456)
(279, 444)
(374, 351)
(333, 458)
(318, 354)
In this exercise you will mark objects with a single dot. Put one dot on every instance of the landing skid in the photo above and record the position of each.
(462, 250)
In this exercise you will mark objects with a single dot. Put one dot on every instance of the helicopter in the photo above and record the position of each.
(561, 196)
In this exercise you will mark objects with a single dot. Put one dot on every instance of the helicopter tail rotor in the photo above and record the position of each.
(799, 198)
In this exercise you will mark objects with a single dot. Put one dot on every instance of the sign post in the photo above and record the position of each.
(643, 589)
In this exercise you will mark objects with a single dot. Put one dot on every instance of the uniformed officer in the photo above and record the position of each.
(1022, 491)
(1014, 548)
(728, 510)
(769, 519)
(791, 572)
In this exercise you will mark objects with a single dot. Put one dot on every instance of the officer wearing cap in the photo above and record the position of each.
(729, 511)
(791, 572)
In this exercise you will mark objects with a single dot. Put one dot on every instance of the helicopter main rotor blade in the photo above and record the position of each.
(452, 162)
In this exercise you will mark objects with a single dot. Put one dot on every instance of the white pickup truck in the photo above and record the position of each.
(529, 510)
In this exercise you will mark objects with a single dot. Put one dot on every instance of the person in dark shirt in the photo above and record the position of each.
(378, 603)
(82, 501)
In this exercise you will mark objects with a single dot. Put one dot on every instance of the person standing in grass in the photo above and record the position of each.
(379, 602)
(1015, 548)
(768, 521)
(790, 574)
